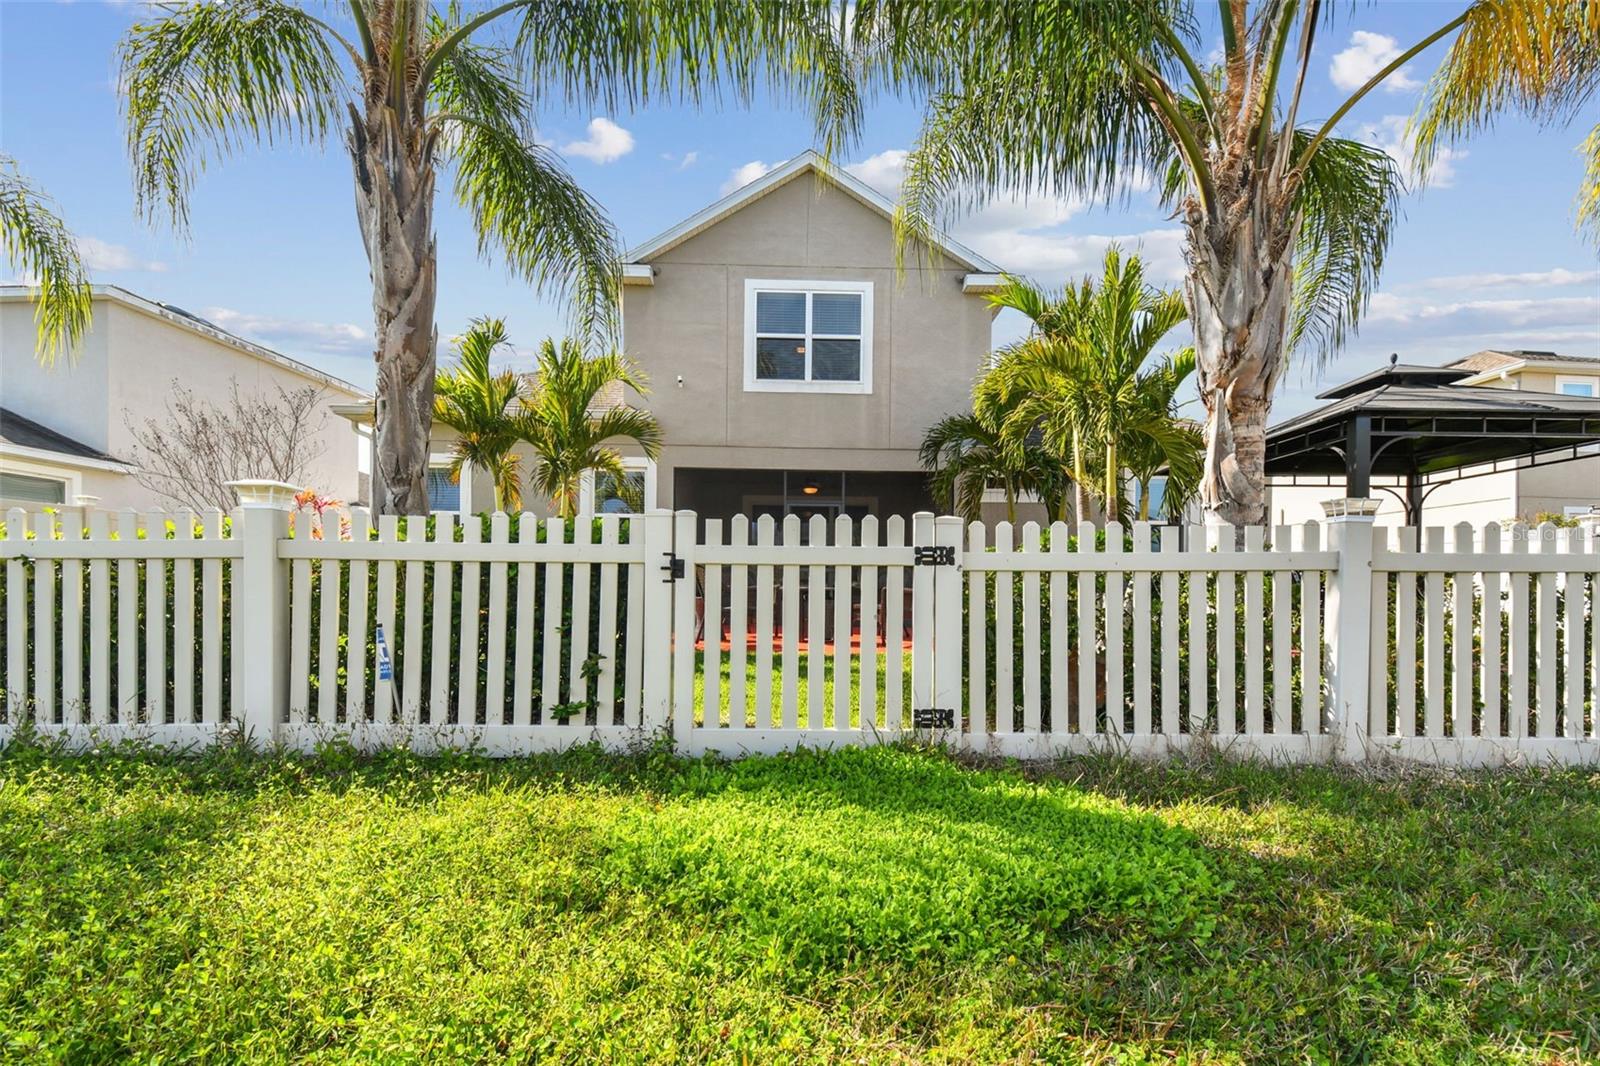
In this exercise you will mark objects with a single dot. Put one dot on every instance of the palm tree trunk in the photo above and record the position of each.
(1238, 290)
(1144, 499)
(1011, 503)
(394, 205)
(1113, 483)
(1080, 495)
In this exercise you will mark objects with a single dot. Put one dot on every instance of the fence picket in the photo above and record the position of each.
(155, 625)
(1461, 597)
(1032, 637)
(300, 623)
(606, 696)
(1548, 706)
(411, 653)
(1199, 660)
(494, 680)
(683, 618)
(1405, 642)
(211, 623)
(633, 676)
(1573, 638)
(45, 700)
(578, 684)
(329, 580)
(1170, 617)
(1282, 637)
(1254, 618)
(468, 622)
(765, 535)
(358, 628)
(816, 627)
(1310, 540)
(1490, 662)
(871, 659)
(1223, 540)
(711, 634)
(1433, 639)
(1088, 687)
(922, 619)
(739, 625)
(383, 699)
(444, 581)
(1116, 708)
(126, 707)
(977, 635)
(554, 601)
(1142, 683)
(791, 628)
(99, 635)
(843, 534)
(1004, 631)
(1060, 626)
(1518, 644)
(73, 708)
(894, 633)
(16, 622)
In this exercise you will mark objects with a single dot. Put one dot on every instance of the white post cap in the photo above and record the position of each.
(84, 500)
(1351, 507)
(261, 492)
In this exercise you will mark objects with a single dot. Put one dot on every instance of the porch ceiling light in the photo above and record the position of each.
(810, 488)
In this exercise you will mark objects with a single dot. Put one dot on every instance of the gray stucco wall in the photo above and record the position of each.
(929, 340)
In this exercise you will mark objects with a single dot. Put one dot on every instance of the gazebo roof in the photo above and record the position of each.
(1417, 421)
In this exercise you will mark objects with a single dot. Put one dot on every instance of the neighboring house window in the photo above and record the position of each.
(1578, 386)
(808, 336)
(633, 493)
(25, 488)
(443, 494)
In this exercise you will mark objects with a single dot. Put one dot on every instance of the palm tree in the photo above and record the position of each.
(567, 424)
(37, 243)
(483, 408)
(411, 89)
(966, 454)
(1171, 445)
(1286, 226)
(1083, 383)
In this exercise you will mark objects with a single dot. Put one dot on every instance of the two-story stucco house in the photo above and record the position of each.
(793, 369)
(67, 430)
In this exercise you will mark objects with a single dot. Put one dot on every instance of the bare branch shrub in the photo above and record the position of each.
(189, 456)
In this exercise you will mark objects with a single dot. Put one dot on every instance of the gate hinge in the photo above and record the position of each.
(933, 718)
(673, 567)
(934, 555)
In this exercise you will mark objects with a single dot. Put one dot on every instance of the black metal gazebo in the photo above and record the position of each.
(1417, 425)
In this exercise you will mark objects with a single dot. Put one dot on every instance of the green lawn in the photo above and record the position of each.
(890, 905)
(774, 714)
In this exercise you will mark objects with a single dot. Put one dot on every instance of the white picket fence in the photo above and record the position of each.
(1327, 641)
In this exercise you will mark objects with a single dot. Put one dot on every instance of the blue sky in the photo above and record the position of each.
(1484, 257)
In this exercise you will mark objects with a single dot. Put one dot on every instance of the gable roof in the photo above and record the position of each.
(1494, 359)
(804, 163)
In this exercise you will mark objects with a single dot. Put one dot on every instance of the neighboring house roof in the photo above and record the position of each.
(1491, 362)
(804, 163)
(26, 438)
(177, 316)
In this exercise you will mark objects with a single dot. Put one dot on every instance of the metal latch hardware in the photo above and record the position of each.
(933, 718)
(673, 567)
(934, 555)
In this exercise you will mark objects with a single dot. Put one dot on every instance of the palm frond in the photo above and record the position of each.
(38, 244)
(205, 80)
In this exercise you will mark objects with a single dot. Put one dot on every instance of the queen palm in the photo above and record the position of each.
(412, 89)
(967, 454)
(572, 411)
(37, 242)
(1285, 225)
(484, 409)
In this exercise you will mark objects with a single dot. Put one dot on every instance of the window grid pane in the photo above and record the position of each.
(808, 336)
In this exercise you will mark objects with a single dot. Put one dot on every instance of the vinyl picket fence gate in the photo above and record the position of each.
(511, 634)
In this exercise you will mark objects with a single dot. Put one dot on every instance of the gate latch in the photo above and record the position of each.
(934, 555)
(933, 718)
(673, 567)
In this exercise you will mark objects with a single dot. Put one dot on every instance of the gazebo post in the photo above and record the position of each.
(1414, 500)
(1358, 458)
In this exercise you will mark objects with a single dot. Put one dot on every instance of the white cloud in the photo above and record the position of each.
(1369, 53)
(607, 142)
(1390, 134)
(1536, 279)
(102, 255)
(1562, 311)
(687, 160)
(333, 338)
(744, 175)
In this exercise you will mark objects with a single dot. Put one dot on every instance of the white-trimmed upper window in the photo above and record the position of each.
(1578, 386)
(808, 336)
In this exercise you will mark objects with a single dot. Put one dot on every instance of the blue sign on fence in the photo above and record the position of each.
(385, 668)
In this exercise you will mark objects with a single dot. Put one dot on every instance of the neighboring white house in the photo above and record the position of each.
(1569, 488)
(65, 428)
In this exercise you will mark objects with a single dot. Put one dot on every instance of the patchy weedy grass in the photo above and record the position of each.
(864, 906)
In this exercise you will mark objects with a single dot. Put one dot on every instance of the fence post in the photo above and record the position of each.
(655, 710)
(1349, 605)
(947, 657)
(684, 533)
(261, 608)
